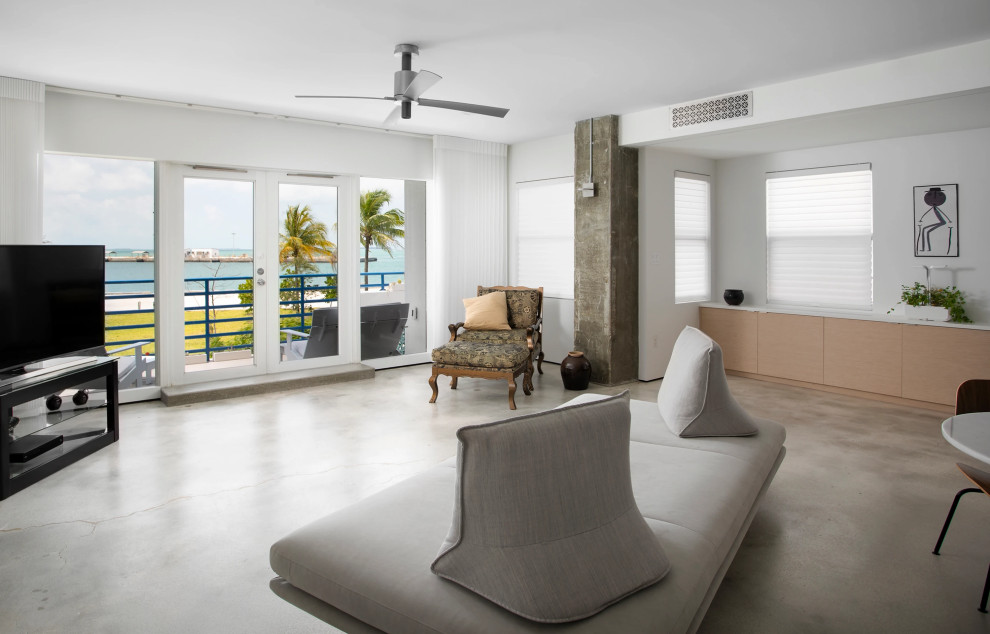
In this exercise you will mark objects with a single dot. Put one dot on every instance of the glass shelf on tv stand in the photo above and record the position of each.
(76, 425)
(55, 438)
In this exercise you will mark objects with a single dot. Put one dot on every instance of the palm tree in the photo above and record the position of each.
(378, 228)
(303, 239)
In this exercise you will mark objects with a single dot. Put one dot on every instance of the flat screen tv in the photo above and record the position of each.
(51, 302)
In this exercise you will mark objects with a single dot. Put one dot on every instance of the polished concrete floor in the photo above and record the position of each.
(168, 530)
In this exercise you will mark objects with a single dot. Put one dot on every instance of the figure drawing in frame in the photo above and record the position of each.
(936, 221)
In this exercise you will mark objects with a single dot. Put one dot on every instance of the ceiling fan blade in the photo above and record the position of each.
(423, 80)
(393, 117)
(342, 97)
(491, 111)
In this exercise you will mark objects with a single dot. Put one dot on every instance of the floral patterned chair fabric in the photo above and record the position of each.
(524, 305)
(477, 354)
(525, 311)
(496, 354)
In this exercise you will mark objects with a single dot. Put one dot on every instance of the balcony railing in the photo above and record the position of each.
(297, 296)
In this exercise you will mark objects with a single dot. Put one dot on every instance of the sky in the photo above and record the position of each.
(99, 201)
(111, 202)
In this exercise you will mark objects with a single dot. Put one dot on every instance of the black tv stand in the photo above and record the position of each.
(44, 442)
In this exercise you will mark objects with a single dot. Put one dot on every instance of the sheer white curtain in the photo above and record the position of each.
(467, 224)
(22, 153)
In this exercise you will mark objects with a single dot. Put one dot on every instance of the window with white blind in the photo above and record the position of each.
(692, 244)
(545, 247)
(820, 237)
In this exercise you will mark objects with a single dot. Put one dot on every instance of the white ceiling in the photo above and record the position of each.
(551, 62)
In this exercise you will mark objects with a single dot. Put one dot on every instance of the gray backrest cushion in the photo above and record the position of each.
(545, 523)
(694, 397)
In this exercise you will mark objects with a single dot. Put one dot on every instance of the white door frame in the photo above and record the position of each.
(170, 263)
(348, 283)
(170, 270)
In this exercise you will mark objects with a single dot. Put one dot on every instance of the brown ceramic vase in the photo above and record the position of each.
(575, 370)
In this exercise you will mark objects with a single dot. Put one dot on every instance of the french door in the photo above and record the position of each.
(250, 257)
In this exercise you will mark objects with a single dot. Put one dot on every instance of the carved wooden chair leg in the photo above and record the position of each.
(512, 392)
(433, 384)
(539, 362)
(453, 382)
(527, 382)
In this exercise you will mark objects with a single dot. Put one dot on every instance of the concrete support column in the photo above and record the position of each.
(606, 251)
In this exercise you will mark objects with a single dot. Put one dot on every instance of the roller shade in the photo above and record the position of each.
(545, 249)
(692, 251)
(820, 238)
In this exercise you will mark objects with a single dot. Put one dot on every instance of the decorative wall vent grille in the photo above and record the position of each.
(735, 106)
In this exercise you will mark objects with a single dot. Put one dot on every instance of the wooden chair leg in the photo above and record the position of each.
(433, 384)
(453, 382)
(539, 362)
(512, 392)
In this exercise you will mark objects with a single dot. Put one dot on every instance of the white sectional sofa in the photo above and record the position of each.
(366, 568)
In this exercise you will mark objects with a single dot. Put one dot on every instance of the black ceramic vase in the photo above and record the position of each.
(733, 296)
(575, 370)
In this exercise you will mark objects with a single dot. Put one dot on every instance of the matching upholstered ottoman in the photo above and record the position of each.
(483, 360)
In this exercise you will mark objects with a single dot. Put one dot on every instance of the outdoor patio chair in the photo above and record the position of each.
(382, 326)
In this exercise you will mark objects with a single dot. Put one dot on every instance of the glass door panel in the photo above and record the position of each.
(218, 273)
(392, 236)
(309, 317)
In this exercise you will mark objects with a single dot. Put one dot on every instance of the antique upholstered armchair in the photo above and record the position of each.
(525, 313)
(499, 353)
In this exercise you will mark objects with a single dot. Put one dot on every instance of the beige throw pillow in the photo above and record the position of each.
(694, 397)
(487, 312)
(545, 522)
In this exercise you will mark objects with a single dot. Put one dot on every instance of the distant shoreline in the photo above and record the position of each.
(222, 258)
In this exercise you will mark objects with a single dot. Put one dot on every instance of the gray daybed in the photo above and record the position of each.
(367, 567)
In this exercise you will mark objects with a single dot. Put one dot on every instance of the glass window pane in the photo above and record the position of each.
(308, 323)
(218, 272)
(111, 202)
(393, 264)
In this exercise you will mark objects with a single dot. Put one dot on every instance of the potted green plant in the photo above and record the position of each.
(949, 301)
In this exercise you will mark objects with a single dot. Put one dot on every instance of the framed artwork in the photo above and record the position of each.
(936, 221)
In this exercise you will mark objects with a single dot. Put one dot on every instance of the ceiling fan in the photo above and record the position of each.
(409, 85)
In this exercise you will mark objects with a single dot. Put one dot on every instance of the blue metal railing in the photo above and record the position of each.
(289, 284)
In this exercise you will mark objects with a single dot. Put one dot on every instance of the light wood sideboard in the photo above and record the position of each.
(917, 364)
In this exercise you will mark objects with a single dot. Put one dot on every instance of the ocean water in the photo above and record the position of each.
(139, 274)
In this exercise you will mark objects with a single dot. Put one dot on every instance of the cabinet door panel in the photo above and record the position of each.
(735, 332)
(791, 346)
(863, 355)
(937, 359)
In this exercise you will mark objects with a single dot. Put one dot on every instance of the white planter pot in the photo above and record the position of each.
(927, 313)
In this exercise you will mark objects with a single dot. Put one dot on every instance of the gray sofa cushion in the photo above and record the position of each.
(694, 397)
(545, 522)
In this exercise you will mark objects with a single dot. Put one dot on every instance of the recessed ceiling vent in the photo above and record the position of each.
(737, 106)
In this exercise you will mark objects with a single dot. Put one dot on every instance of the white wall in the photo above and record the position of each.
(106, 126)
(899, 165)
(917, 77)
(552, 157)
(660, 319)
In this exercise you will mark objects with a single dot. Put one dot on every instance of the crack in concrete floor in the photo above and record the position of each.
(95, 523)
